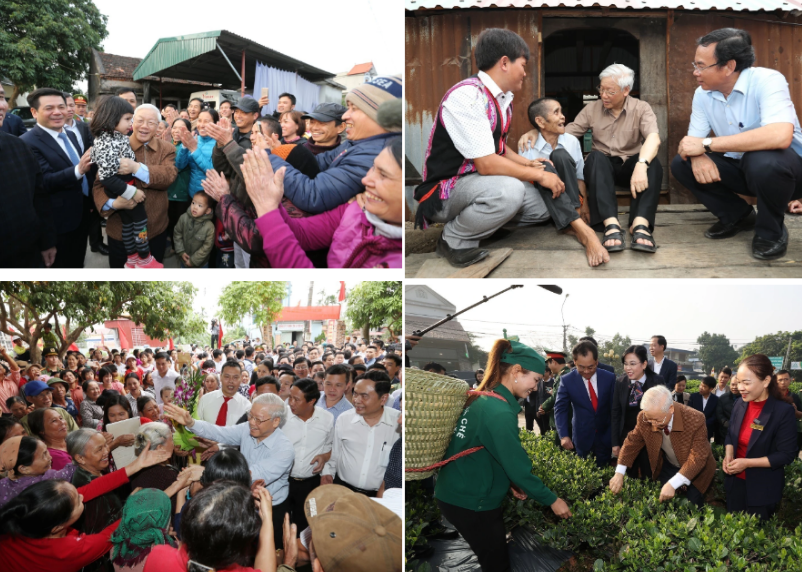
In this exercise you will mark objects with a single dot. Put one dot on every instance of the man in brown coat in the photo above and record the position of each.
(154, 170)
(675, 437)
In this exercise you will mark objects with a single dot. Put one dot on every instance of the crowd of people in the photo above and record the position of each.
(643, 422)
(295, 458)
(225, 187)
(744, 140)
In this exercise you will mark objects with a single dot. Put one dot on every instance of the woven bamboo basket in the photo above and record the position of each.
(433, 404)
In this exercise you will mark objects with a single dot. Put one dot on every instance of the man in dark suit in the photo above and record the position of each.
(604, 366)
(25, 217)
(660, 364)
(10, 124)
(706, 402)
(590, 392)
(65, 173)
(73, 124)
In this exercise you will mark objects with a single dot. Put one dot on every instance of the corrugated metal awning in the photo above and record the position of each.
(738, 6)
(210, 56)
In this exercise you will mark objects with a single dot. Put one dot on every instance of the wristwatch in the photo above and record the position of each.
(706, 142)
(644, 161)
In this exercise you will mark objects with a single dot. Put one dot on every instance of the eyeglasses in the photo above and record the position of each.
(656, 423)
(258, 421)
(696, 68)
(606, 91)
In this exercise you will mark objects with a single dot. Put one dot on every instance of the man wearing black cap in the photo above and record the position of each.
(246, 112)
(326, 125)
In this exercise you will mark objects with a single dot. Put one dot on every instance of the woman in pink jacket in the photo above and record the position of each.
(363, 234)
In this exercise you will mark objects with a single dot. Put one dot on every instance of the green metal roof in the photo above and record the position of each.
(199, 57)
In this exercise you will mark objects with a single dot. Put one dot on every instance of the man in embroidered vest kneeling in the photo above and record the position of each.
(472, 181)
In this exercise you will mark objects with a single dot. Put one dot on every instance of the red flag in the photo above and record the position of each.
(172, 346)
(341, 298)
(220, 337)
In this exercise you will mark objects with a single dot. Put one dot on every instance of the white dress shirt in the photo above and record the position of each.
(75, 131)
(704, 402)
(60, 143)
(720, 392)
(361, 453)
(159, 382)
(210, 405)
(658, 365)
(678, 479)
(310, 438)
(465, 117)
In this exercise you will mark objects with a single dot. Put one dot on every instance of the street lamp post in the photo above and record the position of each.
(565, 328)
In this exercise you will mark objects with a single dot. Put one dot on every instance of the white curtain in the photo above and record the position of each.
(278, 81)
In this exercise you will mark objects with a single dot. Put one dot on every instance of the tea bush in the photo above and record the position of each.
(635, 532)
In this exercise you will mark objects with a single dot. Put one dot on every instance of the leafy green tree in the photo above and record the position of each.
(163, 309)
(48, 43)
(716, 351)
(776, 345)
(375, 304)
(610, 351)
(235, 333)
(261, 300)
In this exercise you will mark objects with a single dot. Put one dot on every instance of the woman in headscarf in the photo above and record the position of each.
(144, 523)
(471, 489)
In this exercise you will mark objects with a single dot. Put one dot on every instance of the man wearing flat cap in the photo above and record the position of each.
(326, 125)
(555, 361)
(246, 112)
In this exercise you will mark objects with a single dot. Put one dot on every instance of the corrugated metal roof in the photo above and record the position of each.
(738, 6)
(168, 55)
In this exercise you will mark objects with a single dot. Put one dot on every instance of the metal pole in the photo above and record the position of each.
(242, 77)
(786, 364)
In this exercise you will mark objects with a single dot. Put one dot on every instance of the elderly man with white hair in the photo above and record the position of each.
(154, 171)
(675, 437)
(625, 144)
(269, 452)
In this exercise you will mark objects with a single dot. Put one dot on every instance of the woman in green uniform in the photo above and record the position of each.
(470, 489)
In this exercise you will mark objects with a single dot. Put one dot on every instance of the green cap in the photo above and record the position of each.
(526, 357)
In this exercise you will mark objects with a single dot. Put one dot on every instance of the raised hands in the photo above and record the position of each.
(215, 185)
(189, 141)
(265, 187)
(178, 415)
(220, 132)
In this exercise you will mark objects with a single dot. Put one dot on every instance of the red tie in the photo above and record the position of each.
(593, 399)
(666, 431)
(221, 416)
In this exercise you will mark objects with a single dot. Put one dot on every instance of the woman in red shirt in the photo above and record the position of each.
(760, 442)
(35, 526)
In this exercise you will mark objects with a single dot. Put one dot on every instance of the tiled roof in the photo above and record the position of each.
(361, 68)
(304, 313)
(122, 67)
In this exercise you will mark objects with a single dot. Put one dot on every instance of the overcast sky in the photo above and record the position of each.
(678, 309)
(333, 36)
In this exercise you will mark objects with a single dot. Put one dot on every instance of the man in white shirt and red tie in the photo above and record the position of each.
(311, 431)
(363, 437)
(223, 407)
(589, 391)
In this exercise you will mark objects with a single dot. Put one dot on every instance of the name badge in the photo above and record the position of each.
(756, 426)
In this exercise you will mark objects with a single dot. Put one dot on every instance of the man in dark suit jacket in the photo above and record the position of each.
(64, 171)
(660, 364)
(10, 124)
(706, 402)
(25, 217)
(590, 392)
(86, 140)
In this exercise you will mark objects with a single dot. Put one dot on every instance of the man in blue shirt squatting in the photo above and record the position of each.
(269, 452)
(755, 148)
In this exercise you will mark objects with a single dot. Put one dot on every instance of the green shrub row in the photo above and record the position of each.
(634, 531)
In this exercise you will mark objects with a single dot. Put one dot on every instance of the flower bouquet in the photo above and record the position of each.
(186, 396)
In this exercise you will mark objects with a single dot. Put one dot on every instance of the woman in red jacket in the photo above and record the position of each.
(35, 526)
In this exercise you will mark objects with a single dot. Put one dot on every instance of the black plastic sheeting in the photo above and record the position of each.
(526, 555)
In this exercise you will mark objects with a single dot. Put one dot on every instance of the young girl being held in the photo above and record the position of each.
(110, 127)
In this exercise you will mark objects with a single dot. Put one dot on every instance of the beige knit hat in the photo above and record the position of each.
(369, 96)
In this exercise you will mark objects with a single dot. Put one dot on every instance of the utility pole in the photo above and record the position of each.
(565, 328)
(786, 363)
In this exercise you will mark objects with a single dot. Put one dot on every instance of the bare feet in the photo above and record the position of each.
(594, 250)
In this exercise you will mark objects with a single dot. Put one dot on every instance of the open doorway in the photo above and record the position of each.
(573, 59)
